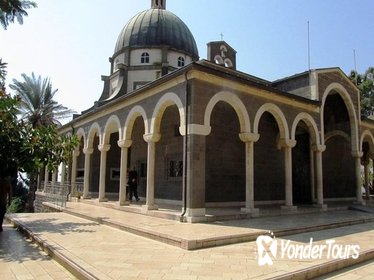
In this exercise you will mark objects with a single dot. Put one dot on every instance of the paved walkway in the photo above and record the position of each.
(21, 259)
(105, 252)
(202, 235)
(364, 271)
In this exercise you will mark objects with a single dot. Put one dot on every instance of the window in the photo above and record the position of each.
(115, 174)
(144, 58)
(175, 168)
(80, 175)
(180, 61)
(116, 64)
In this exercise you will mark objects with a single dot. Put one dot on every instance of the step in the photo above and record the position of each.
(82, 270)
(201, 243)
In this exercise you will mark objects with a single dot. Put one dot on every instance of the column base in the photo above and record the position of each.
(255, 212)
(86, 197)
(149, 207)
(103, 199)
(321, 206)
(123, 203)
(195, 215)
(289, 208)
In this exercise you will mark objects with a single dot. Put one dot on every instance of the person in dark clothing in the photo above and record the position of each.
(133, 184)
(5, 197)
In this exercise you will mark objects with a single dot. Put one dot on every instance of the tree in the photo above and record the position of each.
(27, 148)
(365, 83)
(11, 10)
(37, 104)
(3, 73)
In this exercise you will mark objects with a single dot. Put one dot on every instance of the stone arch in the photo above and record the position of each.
(311, 124)
(277, 114)
(368, 136)
(95, 128)
(113, 124)
(137, 111)
(236, 104)
(165, 101)
(334, 133)
(81, 134)
(338, 88)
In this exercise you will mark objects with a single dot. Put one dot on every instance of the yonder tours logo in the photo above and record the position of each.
(270, 249)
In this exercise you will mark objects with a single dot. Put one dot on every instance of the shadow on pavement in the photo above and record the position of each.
(15, 248)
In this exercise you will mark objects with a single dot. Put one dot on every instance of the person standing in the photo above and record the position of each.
(133, 184)
(5, 197)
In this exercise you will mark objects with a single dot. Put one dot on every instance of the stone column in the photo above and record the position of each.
(124, 145)
(196, 154)
(287, 145)
(357, 156)
(318, 150)
(151, 139)
(63, 173)
(366, 174)
(74, 171)
(103, 155)
(249, 139)
(54, 178)
(46, 178)
(87, 171)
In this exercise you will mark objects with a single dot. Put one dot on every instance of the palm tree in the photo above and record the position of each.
(37, 104)
(14, 9)
(3, 73)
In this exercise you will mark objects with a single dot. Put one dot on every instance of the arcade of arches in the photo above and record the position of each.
(246, 146)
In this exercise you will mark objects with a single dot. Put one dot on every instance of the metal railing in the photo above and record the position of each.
(58, 193)
(76, 189)
(54, 193)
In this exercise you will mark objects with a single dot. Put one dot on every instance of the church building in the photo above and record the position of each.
(202, 134)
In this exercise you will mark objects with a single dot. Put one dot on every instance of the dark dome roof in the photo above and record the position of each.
(157, 27)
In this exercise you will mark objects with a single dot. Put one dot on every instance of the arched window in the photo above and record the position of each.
(181, 61)
(144, 58)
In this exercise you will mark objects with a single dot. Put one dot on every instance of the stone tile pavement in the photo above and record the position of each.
(21, 259)
(104, 252)
(364, 271)
(201, 235)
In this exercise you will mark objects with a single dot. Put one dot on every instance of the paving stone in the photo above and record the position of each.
(110, 253)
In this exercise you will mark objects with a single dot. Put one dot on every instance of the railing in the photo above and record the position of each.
(76, 190)
(58, 193)
(55, 193)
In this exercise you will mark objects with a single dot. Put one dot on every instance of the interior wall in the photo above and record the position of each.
(268, 162)
(225, 157)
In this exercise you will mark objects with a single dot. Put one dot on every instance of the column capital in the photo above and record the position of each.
(357, 154)
(318, 148)
(124, 143)
(286, 143)
(88, 151)
(152, 137)
(249, 137)
(197, 129)
(104, 147)
(76, 153)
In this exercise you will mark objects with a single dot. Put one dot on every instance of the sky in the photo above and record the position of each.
(71, 41)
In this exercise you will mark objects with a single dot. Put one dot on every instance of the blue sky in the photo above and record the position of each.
(70, 41)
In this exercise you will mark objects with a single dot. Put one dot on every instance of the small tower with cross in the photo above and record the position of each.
(221, 53)
(159, 4)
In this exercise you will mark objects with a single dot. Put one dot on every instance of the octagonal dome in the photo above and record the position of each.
(157, 28)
